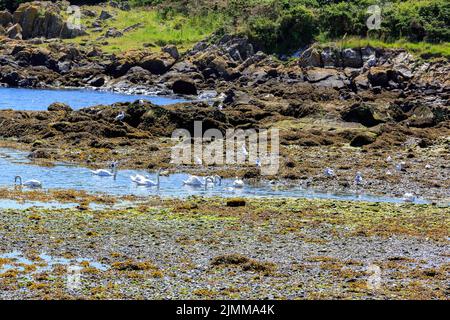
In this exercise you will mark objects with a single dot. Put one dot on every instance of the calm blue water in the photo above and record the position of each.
(63, 176)
(40, 99)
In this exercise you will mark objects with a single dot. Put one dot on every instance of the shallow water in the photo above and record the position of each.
(46, 262)
(64, 176)
(40, 99)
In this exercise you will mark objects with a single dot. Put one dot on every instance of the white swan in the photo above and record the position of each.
(28, 183)
(103, 173)
(107, 173)
(238, 183)
(409, 197)
(141, 180)
(195, 181)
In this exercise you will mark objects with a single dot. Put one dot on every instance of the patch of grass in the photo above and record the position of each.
(154, 30)
(421, 49)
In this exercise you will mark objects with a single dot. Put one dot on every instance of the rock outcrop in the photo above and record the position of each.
(44, 19)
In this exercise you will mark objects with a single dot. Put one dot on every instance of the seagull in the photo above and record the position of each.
(400, 166)
(238, 183)
(120, 116)
(389, 159)
(428, 166)
(329, 172)
(358, 178)
(220, 107)
(29, 183)
(244, 151)
(198, 161)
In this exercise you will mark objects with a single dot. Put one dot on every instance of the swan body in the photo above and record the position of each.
(409, 197)
(141, 180)
(238, 183)
(102, 173)
(194, 181)
(29, 183)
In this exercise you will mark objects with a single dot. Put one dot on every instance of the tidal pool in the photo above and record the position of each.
(40, 99)
(66, 176)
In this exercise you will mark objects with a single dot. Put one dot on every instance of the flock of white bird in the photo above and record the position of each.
(407, 197)
(196, 181)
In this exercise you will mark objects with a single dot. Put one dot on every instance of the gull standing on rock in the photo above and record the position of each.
(358, 178)
(120, 116)
(329, 172)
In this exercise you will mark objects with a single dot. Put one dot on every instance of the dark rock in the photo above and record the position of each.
(362, 140)
(14, 32)
(352, 58)
(5, 18)
(104, 15)
(58, 106)
(184, 86)
(172, 51)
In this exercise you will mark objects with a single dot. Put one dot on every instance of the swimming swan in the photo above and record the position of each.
(409, 197)
(107, 173)
(29, 183)
(238, 183)
(141, 180)
(195, 181)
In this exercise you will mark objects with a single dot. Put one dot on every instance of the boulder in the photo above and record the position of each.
(184, 86)
(14, 32)
(5, 18)
(44, 19)
(113, 33)
(330, 58)
(58, 106)
(362, 140)
(367, 114)
(352, 58)
(311, 58)
(172, 51)
(378, 76)
(104, 15)
(156, 63)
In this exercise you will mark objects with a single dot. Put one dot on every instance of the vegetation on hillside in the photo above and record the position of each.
(283, 26)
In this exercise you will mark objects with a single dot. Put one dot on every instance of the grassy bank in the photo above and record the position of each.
(420, 49)
(152, 29)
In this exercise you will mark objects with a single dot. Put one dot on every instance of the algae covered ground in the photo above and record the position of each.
(215, 248)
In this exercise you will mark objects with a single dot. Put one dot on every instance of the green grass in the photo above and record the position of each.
(155, 30)
(420, 49)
